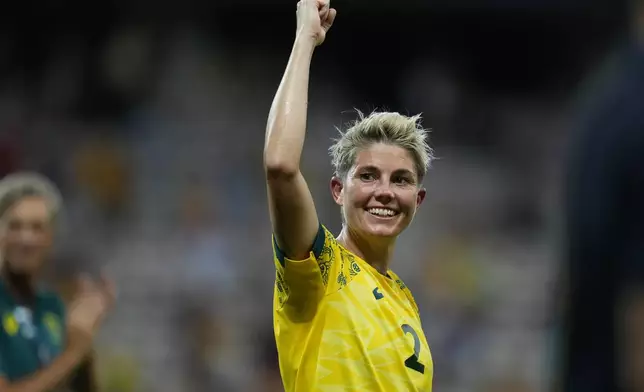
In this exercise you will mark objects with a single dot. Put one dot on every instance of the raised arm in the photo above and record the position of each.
(293, 216)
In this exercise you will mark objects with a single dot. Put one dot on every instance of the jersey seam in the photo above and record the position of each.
(316, 247)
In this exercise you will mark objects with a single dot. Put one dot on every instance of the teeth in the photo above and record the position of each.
(382, 211)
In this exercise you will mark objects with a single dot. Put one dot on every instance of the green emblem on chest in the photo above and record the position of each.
(53, 327)
(10, 324)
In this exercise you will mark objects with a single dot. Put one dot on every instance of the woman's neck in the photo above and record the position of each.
(377, 253)
(20, 285)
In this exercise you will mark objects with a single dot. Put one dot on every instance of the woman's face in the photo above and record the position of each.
(381, 192)
(26, 235)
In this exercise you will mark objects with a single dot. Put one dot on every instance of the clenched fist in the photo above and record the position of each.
(314, 19)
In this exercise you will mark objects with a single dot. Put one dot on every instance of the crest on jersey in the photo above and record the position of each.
(10, 324)
(54, 327)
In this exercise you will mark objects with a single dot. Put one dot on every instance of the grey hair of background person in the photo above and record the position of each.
(17, 186)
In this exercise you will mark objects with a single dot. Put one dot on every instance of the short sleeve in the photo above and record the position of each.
(304, 280)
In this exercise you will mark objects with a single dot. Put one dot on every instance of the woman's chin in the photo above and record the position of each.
(379, 227)
(384, 230)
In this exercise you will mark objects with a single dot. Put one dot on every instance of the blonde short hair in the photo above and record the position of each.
(382, 127)
(19, 185)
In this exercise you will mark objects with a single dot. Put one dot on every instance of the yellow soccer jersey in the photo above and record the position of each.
(342, 326)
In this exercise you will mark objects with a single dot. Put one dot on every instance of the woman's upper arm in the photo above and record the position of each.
(293, 216)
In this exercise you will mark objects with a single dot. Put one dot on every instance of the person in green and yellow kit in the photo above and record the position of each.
(43, 346)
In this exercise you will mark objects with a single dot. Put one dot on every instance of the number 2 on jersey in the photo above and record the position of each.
(412, 362)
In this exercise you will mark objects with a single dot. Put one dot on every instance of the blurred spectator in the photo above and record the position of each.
(203, 244)
(203, 334)
(269, 379)
(118, 372)
(102, 171)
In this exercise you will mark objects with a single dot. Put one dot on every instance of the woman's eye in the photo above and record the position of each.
(401, 180)
(14, 225)
(38, 227)
(367, 177)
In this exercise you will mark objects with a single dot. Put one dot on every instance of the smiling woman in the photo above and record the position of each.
(40, 347)
(380, 162)
(342, 319)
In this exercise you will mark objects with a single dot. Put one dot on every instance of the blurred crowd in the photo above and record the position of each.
(156, 142)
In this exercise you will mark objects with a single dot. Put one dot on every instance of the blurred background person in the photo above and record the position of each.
(42, 347)
(604, 329)
(269, 379)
